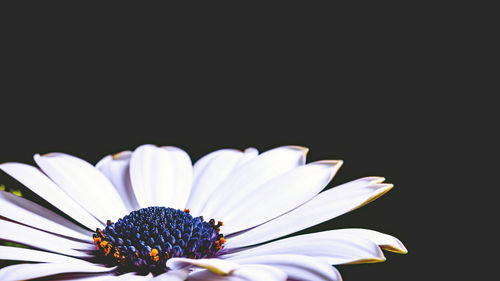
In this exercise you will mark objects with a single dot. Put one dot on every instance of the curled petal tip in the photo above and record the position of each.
(400, 250)
(299, 147)
(374, 179)
(332, 162)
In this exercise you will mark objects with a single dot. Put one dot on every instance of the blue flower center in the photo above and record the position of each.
(145, 239)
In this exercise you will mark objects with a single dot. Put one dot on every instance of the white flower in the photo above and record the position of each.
(259, 198)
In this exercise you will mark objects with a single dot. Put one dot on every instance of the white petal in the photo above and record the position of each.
(325, 206)
(208, 173)
(92, 277)
(297, 267)
(26, 212)
(84, 183)
(248, 177)
(385, 241)
(243, 273)
(42, 240)
(131, 276)
(173, 275)
(279, 195)
(40, 184)
(116, 169)
(249, 154)
(330, 246)
(29, 271)
(161, 176)
(183, 173)
(23, 254)
(215, 265)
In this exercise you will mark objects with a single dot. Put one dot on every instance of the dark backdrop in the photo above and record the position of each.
(381, 93)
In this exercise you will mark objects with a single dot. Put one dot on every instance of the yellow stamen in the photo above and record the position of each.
(106, 246)
(104, 243)
(97, 241)
(153, 253)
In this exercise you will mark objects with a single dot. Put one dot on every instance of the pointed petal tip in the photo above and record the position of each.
(400, 250)
(304, 149)
(122, 155)
(374, 179)
(49, 154)
(337, 163)
(335, 166)
(380, 190)
(397, 247)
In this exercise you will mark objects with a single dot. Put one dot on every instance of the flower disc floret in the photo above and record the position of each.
(145, 239)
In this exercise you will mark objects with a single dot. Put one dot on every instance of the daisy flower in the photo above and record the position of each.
(151, 214)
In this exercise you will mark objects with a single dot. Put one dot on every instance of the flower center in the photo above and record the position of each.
(145, 239)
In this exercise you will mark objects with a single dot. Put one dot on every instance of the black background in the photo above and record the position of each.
(381, 91)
